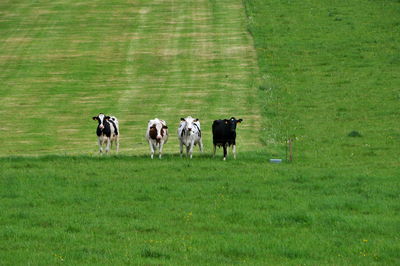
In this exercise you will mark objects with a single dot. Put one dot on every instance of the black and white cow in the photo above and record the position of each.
(224, 134)
(189, 134)
(107, 131)
(157, 135)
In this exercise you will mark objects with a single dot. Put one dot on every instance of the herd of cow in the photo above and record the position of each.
(189, 134)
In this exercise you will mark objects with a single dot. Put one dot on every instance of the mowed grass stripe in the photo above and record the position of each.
(167, 59)
(63, 65)
(182, 63)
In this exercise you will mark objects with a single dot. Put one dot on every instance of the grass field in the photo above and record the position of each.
(329, 68)
(63, 63)
(122, 210)
(324, 73)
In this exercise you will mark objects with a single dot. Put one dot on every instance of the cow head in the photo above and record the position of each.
(101, 118)
(232, 122)
(189, 123)
(157, 131)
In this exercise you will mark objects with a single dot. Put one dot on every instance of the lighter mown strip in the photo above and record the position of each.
(191, 58)
(64, 63)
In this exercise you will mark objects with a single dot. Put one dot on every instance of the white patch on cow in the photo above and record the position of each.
(189, 135)
(101, 119)
(114, 136)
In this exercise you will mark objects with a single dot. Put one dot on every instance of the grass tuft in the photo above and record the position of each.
(150, 253)
(354, 134)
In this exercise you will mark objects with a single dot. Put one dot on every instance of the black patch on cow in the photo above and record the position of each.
(115, 127)
(99, 131)
(153, 132)
(107, 128)
(198, 129)
(105, 131)
(224, 132)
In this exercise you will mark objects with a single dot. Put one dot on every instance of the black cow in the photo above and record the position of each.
(224, 134)
(107, 130)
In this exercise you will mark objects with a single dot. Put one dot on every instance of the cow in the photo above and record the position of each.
(224, 134)
(107, 131)
(157, 135)
(189, 134)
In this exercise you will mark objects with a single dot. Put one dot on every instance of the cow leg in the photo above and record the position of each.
(191, 149)
(181, 148)
(234, 151)
(151, 149)
(108, 145)
(100, 145)
(225, 151)
(201, 145)
(215, 147)
(117, 142)
(160, 147)
(156, 148)
(187, 150)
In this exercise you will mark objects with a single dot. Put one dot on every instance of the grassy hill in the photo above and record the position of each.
(329, 69)
(323, 73)
(63, 63)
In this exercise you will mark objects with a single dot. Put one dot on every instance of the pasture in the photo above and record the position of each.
(133, 210)
(323, 73)
(64, 63)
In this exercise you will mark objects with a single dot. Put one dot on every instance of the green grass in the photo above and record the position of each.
(322, 72)
(63, 63)
(329, 68)
(114, 210)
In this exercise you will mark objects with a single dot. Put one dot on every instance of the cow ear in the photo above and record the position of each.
(107, 117)
(182, 119)
(165, 127)
(239, 121)
(196, 120)
(95, 118)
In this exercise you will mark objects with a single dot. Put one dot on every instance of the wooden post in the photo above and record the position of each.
(287, 148)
